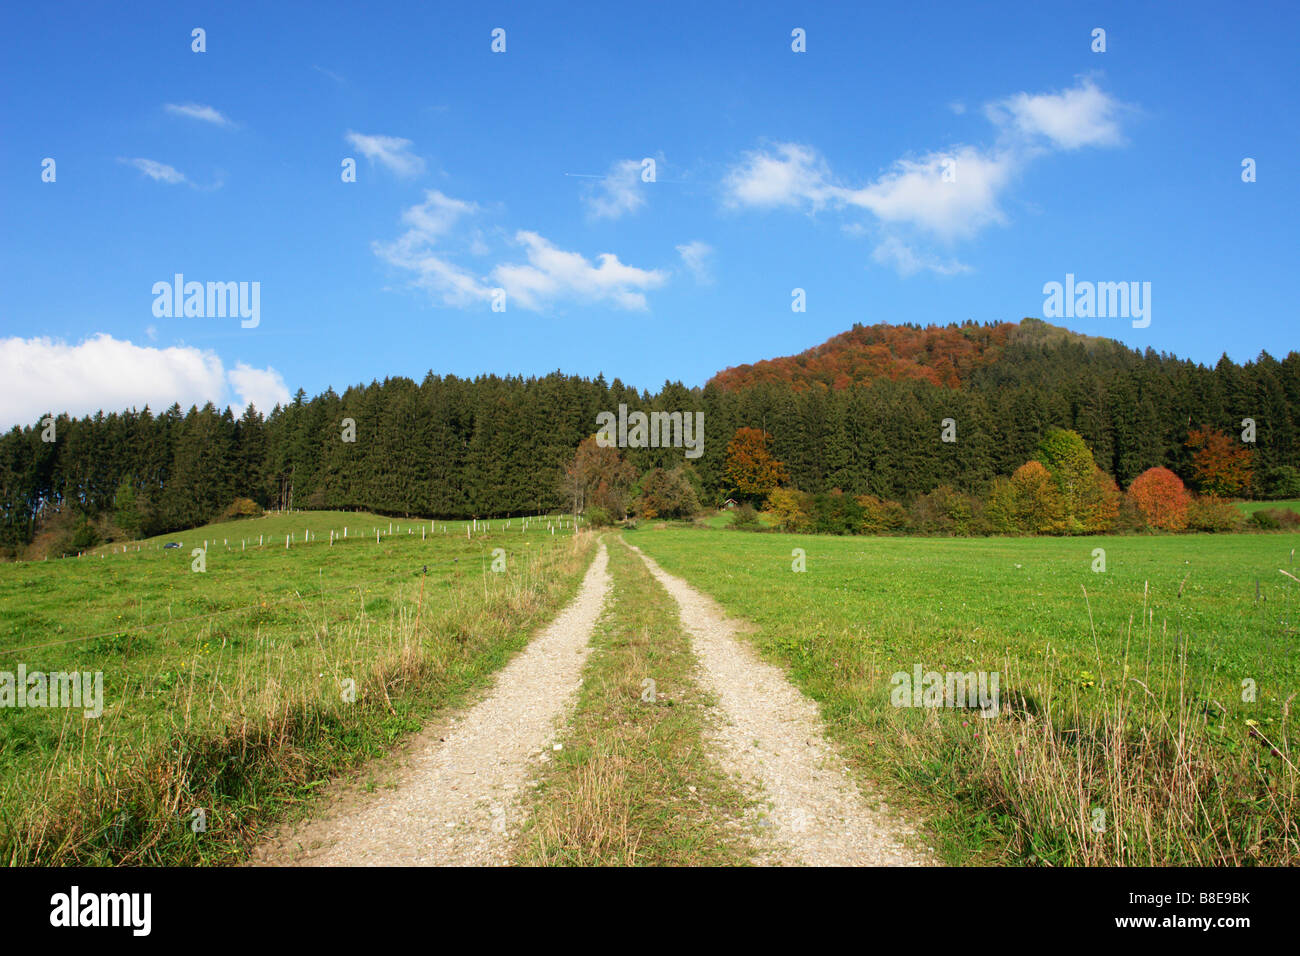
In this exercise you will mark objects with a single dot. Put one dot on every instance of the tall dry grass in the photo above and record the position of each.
(252, 734)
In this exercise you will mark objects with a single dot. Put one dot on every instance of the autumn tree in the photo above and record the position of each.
(1220, 465)
(789, 509)
(597, 477)
(751, 471)
(1035, 504)
(1161, 498)
(666, 494)
(1090, 496)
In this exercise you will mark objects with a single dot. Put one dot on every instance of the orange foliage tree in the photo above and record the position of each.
(1160, 496)
(1220, 465)
(751, 471)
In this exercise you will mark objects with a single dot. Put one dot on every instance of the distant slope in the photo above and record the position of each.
(942, 355)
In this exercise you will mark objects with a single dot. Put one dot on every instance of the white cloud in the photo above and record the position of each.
(433, 237)
(914, 195)
(159, 172)
(553, 273)
(618, 193)
(392, 152)
(264, 388)
(40, 375)
(198, 111)
(695, 256)
(915, 192)
(906, 261)
(788, 175)
(429, 223)
(1081, 116)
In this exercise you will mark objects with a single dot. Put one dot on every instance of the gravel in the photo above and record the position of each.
(769, 736)
(455, 802)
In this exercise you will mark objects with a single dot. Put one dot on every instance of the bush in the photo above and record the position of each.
(789, 509)
(880, 516)
(1276, 519)
(666, 494)
(745, 518)
(81, 537)
(1212, 514)
(944, 511)
(598, 517)
(1035, 504)
(834, 512)
(1161, 498)
(241, 508)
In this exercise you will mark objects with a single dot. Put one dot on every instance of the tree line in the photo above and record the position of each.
(494, 446)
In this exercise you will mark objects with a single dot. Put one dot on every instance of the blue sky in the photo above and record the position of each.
(522, 171)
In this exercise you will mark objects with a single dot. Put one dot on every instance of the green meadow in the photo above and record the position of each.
(238, 685)
(1145, 709)
(1250, 507)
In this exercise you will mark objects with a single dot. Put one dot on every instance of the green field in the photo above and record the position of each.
(225, 690)
(1250, 507)
(1122, 690)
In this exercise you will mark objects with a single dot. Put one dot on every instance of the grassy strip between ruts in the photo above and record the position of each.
(252, 747)
(633, 784)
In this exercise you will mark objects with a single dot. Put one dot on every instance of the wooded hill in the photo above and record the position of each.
(861, 413)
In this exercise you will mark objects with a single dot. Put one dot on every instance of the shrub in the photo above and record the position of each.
(745, 518)
(666, 494)
(1276, 519)
(1208, 513)
(834, 512)
(241, 508)
(880, 516)
(789, 509)
(1037, 506)
(82, 536)
(1161, 498)
(598, 516)
(943, 511)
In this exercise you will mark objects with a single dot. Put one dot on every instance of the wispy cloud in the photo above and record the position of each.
(391, 152)
(906, 261)
(618, 193)
(696, 256)
(159, 172)
(434, 240)
(198, 111)
(330, 73)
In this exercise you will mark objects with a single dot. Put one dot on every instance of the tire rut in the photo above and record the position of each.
(770, 736)
(454, 802)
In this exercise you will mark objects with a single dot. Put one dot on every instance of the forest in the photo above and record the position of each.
(891, 412)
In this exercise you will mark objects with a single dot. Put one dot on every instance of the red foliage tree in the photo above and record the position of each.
(1220, 464)
(1160, 496)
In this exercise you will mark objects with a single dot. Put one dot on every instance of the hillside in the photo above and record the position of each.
(941, 355)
